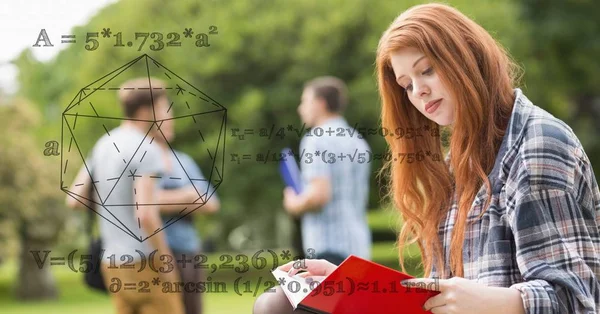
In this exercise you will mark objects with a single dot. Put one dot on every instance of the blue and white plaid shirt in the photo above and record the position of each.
(541, 232)
(340, 227)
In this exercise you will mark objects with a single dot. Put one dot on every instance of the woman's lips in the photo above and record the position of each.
(433, 107)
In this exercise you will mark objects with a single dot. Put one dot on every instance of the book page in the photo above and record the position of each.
(294, 287)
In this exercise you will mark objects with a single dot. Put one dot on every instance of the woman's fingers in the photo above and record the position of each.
(434, 302)
(432, 284)
(315, 267)
(318, 279)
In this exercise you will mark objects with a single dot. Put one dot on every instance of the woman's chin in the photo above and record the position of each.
(443, 120)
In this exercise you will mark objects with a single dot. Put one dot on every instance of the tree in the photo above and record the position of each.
(29, 198)
(259, 56)
(565, 69)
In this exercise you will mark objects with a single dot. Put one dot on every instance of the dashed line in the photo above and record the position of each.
(125, 161)
(152, 140)
(128, 88)
(139, 223)
(143, 156)
(99, 88)
(193, 94)
(113, 88)
(105, 129)
(70, 143)
(111, 179)
(75, 123)
(174, 178)
(155, 177)
(80, 184)
(168, 75)
(211, 157)
(203, 99)
(201, 136)
(188, 105)
(94, 109)
(144, 88)
(116, 147)
(134, 191)
(170, 106)
(194, 119)
(183, 210)
(133, 174)
(66, 165)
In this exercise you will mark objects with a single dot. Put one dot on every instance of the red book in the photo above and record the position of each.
(356, 286)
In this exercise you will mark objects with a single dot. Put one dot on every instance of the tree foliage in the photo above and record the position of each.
(263, 53)
(28, 198)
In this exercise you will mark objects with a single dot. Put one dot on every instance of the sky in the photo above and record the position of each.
(21, 22)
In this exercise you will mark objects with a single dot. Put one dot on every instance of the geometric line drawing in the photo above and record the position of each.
(187, 103)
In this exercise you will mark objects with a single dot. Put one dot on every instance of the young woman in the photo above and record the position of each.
(510, 222)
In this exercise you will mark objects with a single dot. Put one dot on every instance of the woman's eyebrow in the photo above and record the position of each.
(414, 64)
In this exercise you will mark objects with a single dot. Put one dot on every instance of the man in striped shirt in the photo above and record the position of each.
(336, 182)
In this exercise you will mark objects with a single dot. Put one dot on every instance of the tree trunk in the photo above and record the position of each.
(34, 282)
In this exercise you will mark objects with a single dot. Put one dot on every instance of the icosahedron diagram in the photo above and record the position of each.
(187, 102)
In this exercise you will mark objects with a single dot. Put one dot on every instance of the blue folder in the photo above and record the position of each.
(290, 173)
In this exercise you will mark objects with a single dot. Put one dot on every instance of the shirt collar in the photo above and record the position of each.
(521, 112)
(336, 120)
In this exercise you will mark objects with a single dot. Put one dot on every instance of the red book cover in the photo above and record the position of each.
(357, 286)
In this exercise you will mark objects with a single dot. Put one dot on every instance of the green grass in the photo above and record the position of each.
(385, 218)
(75, 297)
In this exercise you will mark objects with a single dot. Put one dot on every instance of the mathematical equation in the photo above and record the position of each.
(331, 157)
(350, 286)
(240, 263)
(282, 132)
(158, 40)
(241, 286)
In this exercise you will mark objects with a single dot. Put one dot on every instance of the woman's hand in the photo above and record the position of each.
(313, 267)
(460, 295)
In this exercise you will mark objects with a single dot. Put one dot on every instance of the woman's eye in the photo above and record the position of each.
(428, 71)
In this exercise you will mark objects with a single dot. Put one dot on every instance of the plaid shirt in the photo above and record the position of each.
(541, 232)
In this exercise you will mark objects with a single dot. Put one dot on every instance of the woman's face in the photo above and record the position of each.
(415, 74)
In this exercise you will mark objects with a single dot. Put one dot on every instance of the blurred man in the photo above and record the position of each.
(182, 236)
(132, 201)
(334, 200)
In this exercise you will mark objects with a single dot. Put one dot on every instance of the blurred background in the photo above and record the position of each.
(253, 58)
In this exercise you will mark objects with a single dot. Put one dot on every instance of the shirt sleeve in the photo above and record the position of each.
(555, 240)
(150, 162)
(195, 174)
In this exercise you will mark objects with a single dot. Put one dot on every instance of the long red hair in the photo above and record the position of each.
(481, 77)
